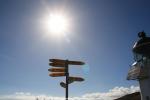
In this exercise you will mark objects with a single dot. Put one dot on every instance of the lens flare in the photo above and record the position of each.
(86, 69)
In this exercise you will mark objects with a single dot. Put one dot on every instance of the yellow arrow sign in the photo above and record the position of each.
(57, 74)
(56, 69)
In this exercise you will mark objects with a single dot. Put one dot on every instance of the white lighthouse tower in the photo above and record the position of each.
(140, 69)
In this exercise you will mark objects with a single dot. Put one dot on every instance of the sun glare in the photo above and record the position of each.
(57, 24)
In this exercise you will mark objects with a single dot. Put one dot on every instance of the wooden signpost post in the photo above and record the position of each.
(61, 68)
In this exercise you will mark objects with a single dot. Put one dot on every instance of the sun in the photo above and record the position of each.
(57, 24)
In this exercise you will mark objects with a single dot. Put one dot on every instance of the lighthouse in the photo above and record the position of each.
(140, 69)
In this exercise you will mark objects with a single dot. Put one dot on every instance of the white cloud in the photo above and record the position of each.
(114, 93)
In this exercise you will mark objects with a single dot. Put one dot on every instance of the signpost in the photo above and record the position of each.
(71, 80)
(61, 68)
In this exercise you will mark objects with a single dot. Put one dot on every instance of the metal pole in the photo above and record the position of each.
(67, 78)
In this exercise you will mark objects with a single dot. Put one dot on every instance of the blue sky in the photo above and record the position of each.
(102, 35)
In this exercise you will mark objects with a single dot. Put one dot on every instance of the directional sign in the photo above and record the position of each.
(56, 69)
(62, 84)
(76, 79)
(71, 80)
(57, 74)
(75, 63)
(55, 64)
(59, 62)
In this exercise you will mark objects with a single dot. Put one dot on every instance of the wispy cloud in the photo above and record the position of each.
(114, 93)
